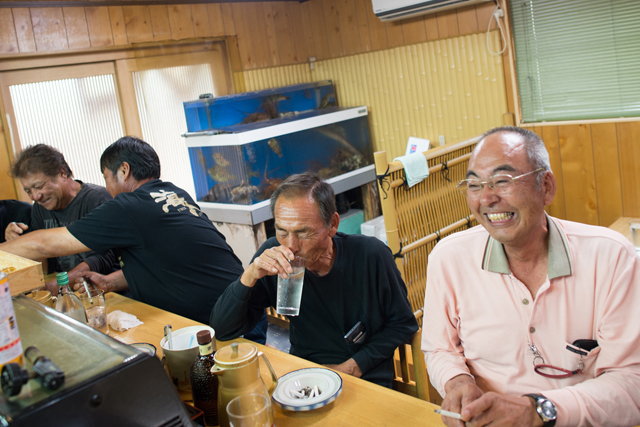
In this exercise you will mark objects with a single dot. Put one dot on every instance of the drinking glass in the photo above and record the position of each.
(95, 307)
(634, 226)
(250, 410)
(290, 289)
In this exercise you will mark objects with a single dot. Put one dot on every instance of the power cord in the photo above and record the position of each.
(497, 14)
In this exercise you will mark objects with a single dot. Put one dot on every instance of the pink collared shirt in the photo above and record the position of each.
(480, 320)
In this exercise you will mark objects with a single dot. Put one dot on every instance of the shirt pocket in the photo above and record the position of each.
(572, 359)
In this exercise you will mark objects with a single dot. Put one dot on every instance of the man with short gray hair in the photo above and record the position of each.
(531, 320)
(349, 280)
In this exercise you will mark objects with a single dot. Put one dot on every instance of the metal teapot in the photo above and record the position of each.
(238, 372)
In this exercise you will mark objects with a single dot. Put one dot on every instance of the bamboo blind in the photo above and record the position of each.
(417, 218)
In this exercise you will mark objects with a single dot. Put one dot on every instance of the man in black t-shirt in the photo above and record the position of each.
(59, 200)
(172, 255)
(349, 280)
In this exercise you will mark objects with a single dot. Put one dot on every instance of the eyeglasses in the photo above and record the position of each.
(501, 184)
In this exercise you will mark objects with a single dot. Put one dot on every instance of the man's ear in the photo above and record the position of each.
(335, 222)
(126, 170)
(550, 186)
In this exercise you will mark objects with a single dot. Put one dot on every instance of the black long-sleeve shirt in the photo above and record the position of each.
(364, 285)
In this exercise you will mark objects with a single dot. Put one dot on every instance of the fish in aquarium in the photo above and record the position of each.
(250, 173)
(220, 193)
(220, 174)
(275, 146)
(266, 111)
(326, 102)
(354, 162)
(337, 134)
(201, 160)
(220, 160)
(256, 117)
(242, 194)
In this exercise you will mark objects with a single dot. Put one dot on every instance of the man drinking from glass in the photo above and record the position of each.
(531, 320)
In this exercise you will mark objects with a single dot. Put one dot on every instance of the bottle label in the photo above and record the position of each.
(206, 349)
(10, 345)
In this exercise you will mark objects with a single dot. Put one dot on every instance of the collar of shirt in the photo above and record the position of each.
(560, 262)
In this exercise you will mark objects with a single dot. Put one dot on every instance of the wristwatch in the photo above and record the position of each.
(545, 408)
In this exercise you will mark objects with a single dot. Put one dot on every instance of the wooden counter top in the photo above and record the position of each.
(361, 402)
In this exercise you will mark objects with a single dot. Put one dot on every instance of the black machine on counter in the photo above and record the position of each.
(106, 382)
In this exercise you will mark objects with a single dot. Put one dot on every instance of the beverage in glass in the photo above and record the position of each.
(250, 410)
(290, 289)
(95, 308)
(634, 226)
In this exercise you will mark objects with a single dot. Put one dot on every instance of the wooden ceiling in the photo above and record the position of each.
(90, 3)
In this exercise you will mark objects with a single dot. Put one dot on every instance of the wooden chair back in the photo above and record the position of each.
(417, 218)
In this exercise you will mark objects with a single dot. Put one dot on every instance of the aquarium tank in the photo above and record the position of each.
(242, 164)
(209, 113)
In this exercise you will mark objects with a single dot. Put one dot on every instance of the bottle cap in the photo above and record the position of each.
(204, 337)
(62, 278)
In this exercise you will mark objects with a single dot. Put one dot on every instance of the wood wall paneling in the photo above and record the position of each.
(228, 19)
(216, 23)
(181, 21)
(303, 43)
(414, 30)
(431, 25)
(363, 25)
(48, 28)
(8, 39)
(259, 35)
(349, 31)
(333, 28)
(467, 20)
(284, 33)
(607, 170)
(549, 135)
(137, 21)
(99, 24)
(200, 20)
(272, 38)
(24, 29)
(117, 26)
(75, 23)
(395, 37)
(160, 23)
(629, 146)
(319, 30)
(484, 11)
(243, 30)
(579, 173)
(377, 29)
(448, 23)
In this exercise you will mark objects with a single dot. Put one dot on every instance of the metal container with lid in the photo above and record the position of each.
(238, 370)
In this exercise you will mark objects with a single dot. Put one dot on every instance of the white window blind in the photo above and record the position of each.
(577, 59)
(159, 95)
(78, 116)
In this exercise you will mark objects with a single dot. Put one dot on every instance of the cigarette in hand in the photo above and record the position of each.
(448, 414)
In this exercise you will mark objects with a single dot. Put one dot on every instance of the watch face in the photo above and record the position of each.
(548, 409)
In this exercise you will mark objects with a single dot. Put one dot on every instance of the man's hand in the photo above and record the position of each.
(461, 391)
(271, 262)
(501, 410)
(114, 282)
(348, 367)
(15, 230)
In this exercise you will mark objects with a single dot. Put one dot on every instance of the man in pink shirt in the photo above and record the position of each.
(531, 320)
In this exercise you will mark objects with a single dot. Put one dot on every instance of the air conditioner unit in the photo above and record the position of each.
(394, 10)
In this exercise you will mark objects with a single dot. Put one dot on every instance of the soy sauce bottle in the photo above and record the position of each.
(204, 384)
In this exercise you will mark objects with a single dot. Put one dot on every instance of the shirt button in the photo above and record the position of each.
(532, 329)
(525, 301)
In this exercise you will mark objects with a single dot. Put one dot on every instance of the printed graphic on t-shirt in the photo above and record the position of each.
(172, 199)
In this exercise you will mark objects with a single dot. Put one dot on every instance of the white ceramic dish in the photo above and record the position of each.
(328, 382)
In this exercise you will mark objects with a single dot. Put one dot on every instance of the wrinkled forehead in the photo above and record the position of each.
(499, 152)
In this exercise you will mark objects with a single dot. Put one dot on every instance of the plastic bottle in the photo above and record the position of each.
(10, 344)
(68, 303)
(204, 384)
